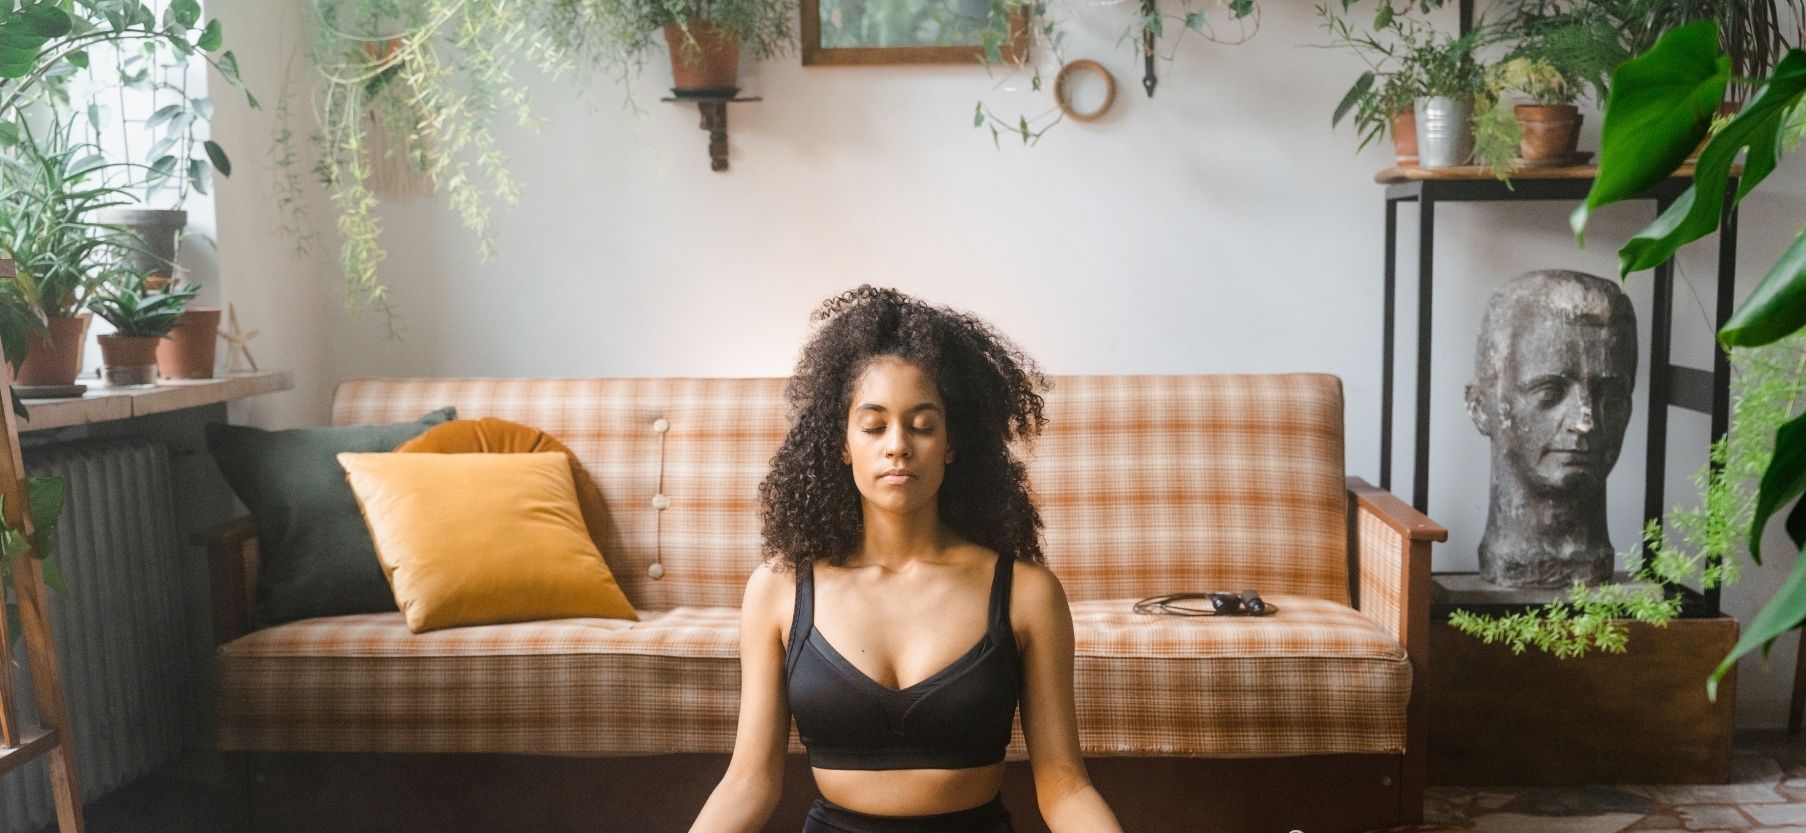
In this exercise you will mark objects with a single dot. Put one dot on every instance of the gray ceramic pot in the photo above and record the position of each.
(158, 228)
(1445, 131)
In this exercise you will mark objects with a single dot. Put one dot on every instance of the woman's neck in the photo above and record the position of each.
(893, 540)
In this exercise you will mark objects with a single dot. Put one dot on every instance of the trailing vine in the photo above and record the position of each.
(438, 75)
(1768, 387)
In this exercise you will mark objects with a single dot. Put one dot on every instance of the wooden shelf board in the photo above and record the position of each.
(36, 742)
(1398, 174)
(103, 403)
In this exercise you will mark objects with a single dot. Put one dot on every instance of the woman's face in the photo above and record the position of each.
(897, 436)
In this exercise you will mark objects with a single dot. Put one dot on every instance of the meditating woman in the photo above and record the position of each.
(903, 609)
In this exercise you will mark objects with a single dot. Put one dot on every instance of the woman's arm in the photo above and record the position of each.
(748, 793)
(1068, 801)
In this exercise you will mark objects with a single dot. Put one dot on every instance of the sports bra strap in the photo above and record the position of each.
(802, 616)
(1000, 601)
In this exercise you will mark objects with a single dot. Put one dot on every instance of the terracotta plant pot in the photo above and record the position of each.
(1550, 131)
(188, 351)
(129, 360)
(716, 70)
(56, 359)
(1404, 137)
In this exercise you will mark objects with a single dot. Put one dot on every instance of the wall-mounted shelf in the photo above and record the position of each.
(714, 120)
(102, 403)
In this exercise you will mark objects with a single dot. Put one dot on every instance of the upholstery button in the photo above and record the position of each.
(661, 425)
(661, 503)
(656, 571)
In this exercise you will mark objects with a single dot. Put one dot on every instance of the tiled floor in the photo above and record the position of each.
(1768, 794)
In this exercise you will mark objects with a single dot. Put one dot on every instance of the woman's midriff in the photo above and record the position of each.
(909, 792)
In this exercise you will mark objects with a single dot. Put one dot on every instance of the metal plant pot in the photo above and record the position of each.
(1445, 131)
(158, 228)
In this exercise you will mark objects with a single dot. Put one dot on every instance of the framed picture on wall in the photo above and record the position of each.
(853, 32)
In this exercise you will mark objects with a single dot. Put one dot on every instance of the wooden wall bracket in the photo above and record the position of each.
(714, 120)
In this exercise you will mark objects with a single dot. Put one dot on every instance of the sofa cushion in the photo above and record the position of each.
(315, 554)
(491, 435)
(1317, 678)
(479, 539)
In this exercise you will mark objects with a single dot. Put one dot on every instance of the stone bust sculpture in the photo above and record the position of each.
(1553, 373)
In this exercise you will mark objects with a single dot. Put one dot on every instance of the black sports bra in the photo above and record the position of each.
(958, 718)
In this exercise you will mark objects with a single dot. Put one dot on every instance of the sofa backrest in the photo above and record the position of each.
(1147, 484)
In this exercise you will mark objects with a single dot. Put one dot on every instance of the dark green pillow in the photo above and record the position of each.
(315, 557)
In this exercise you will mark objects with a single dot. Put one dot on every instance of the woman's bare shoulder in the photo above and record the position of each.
(770, 596)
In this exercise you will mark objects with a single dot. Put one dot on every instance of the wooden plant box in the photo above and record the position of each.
(1642, 717)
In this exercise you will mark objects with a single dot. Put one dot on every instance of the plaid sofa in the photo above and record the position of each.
(1147, 485)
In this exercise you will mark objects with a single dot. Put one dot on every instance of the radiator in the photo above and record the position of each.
(120, 629)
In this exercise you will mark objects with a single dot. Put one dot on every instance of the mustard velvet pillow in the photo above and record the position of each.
(476, 539)
(494, 435)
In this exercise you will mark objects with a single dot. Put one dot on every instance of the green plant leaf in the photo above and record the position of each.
(1241, 8)
(45, 20)
(1783, 612)
(163, 114)
(210, 37)
(9, 134)
(1760, 128)
(217, 155)
(182, 13)
(197, 175)
(228, 66)
(1782, 482)
(79, 58)
(1359, 90)
(1777, 307)
(1661, 105)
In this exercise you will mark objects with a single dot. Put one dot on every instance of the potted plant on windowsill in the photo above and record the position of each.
(49, 197)
(140, 318)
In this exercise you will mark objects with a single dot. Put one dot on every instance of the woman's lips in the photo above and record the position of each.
(896, 479)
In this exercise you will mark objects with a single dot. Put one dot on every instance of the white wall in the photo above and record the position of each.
(1218, 227)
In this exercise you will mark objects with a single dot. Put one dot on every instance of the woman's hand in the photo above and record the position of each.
(1068, 801)
(748, 793)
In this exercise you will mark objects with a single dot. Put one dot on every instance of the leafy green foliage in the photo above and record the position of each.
(134, 310)
(49, 193)
(1653, 124)
(1667, 97)
(44, 495)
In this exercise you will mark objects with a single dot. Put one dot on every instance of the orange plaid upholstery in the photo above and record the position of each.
(1319, 678)
(1147, 484)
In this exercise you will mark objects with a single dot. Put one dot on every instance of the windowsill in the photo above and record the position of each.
(103, 403)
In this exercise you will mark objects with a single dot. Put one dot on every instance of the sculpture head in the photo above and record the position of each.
(1553, 373)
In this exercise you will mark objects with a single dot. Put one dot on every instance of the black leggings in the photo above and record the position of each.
(827, 817)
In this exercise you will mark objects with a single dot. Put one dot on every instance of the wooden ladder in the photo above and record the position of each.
(19, 744)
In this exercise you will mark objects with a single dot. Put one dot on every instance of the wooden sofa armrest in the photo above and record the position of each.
(232, 566)
(1389, 542)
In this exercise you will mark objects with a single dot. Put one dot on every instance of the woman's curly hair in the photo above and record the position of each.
(810, 506)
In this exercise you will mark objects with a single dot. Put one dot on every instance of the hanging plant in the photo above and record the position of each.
(435, 75)
(1151, 24)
